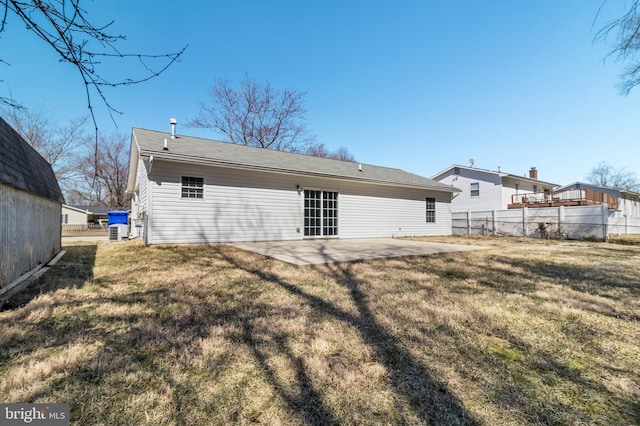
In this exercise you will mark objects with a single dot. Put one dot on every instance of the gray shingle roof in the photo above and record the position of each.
(199, 150)
(22, 167)
(491, 172)
(93, 209)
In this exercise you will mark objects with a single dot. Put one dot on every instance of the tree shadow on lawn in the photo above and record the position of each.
(608, 281)
(516, 385)
(521, 370)
(150, 329)
(427, 397)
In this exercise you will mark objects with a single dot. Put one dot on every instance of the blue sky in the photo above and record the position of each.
(418, 85)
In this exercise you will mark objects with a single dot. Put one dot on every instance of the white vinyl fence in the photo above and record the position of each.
(549, 222)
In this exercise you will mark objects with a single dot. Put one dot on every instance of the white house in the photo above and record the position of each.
(30, 206)
(482, 190)
(193, 190)
(72, 215)
(623, 203)
(84, 215)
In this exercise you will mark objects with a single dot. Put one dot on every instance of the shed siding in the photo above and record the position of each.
(29, 232)
(240, 205)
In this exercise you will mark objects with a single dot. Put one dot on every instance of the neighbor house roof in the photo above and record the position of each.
(204, 151)
(495, 173)
(22, 167)
(606, 189)
(93, 209)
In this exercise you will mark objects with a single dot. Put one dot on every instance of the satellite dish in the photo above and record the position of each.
(471, 162)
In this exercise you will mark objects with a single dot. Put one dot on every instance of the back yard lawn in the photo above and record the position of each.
(525, 332)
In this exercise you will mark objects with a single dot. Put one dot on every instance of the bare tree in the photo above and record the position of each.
(104, 183)
(627, 44)
(320, 150)
(605, 175)
(58, 143)
(63, 25)
(255, 115)
(342, 154)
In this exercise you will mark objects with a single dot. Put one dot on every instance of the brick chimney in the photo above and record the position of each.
(533, 173)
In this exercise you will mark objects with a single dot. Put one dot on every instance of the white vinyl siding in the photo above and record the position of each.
(241, 205)
(73, 216)
(371, 211)
(139, 202)
(489, 190)
(237, 206)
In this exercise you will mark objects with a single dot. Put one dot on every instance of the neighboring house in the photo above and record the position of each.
(193, 190)
(74, 216)
(82, 215)
(30, 207)
(624, 203)
(483, 190)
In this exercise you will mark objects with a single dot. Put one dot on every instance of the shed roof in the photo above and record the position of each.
(22, 167)
(205, 151)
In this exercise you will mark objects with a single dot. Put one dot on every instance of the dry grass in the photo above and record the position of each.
(525, 332)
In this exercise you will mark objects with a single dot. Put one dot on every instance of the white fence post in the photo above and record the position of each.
(524, 222)
(468, 222)
(493, 221)
(560, 221)
(626, 224)
(605, 221)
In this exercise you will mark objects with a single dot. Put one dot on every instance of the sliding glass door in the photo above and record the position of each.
(320, 213)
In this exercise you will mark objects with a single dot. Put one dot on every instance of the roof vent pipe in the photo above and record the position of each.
(360, 167)
(166, 148)
(173, 122)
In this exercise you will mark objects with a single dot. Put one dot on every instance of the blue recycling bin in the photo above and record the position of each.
(116, 217)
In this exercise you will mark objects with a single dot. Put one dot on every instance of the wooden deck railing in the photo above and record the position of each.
(577, 197)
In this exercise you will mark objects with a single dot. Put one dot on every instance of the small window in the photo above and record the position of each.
(431, 210)
(65, 219)
(535, 189)
(192, 187)
(475, 189)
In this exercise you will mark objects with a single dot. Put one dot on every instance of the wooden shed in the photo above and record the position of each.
(30, 207)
